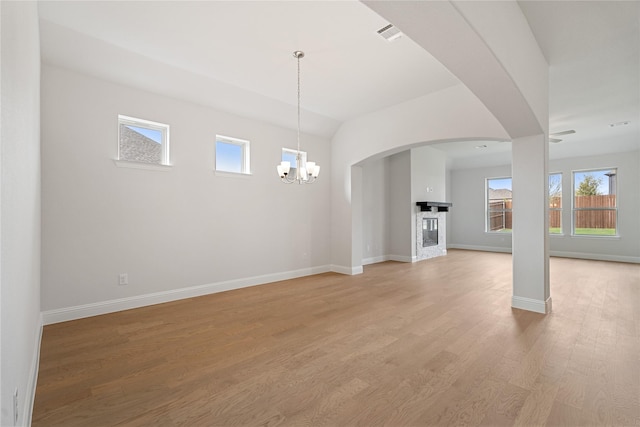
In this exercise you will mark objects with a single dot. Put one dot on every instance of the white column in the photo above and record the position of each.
(530, 224)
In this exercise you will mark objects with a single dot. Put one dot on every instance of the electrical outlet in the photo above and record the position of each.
(123, 279)
(15, 407)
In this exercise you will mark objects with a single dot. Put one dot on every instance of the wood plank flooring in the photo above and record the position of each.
(429, 343)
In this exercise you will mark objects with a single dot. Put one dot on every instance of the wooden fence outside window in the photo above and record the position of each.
(595, 211)
(591, 212)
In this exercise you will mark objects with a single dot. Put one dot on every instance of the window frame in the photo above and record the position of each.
(575, 210)
(245, 152)
(164, 130)
(294, 152)
(504, 211)
(553, 209)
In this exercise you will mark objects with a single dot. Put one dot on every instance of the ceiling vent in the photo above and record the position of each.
(389, 33)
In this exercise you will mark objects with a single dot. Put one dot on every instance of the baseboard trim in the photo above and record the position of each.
(383, 258)
(349, 271)
(559, 254)
(529, 304)
(480, 248)
(375, 259)
(596, 257)
(27, 410)
(402, 258)
(104, 307)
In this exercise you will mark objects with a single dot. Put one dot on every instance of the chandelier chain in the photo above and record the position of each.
(298, 57)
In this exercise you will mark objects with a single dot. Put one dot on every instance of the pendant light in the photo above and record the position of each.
(305, 172)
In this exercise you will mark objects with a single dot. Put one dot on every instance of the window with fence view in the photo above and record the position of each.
(555, 203)
(499, 205)
(595, 205)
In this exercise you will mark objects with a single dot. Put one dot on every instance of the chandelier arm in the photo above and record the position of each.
(287, 180)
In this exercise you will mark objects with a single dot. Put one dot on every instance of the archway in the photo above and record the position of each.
(490, 48)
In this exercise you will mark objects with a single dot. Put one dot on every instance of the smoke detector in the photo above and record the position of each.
(614, 125)
(389, 33)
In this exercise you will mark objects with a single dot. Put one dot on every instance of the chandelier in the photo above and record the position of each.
(306, 172)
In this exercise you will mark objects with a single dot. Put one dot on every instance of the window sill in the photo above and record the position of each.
(595, 236)
(233, 174)
(138, 165)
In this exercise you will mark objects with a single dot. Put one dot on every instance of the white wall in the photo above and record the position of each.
(168, 230)
(400, 209)
(627, 246)
(391, 187)
(467, 216)
(375, 210)
(450, 114)
(19, 208)
(428, 170)
(448, 197)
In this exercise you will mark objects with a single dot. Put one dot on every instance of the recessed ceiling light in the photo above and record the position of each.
(481, 146)
(613, 125)
(389, 33)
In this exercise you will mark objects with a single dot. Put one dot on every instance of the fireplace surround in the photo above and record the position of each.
(431, 229)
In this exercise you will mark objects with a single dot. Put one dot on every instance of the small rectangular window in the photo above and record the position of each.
(143, 141)
(232, 155)
(555, 203)
(595, 205)
(289, 155)
(499, 205)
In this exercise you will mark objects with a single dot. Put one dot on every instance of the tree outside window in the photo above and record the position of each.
(555, 203)
(595, 204)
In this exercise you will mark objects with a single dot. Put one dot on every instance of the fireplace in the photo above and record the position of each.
(431, 229)
(429, 232)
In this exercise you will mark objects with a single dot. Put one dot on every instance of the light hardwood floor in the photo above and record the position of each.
(429, 343)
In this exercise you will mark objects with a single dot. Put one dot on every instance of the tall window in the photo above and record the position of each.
(595, 205)
(143, 141)
(499, 205)
(232, 155)
(555, 203)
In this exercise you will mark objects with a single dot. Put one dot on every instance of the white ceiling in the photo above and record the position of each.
(593, 50)
(237, 56)
(247, 47)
